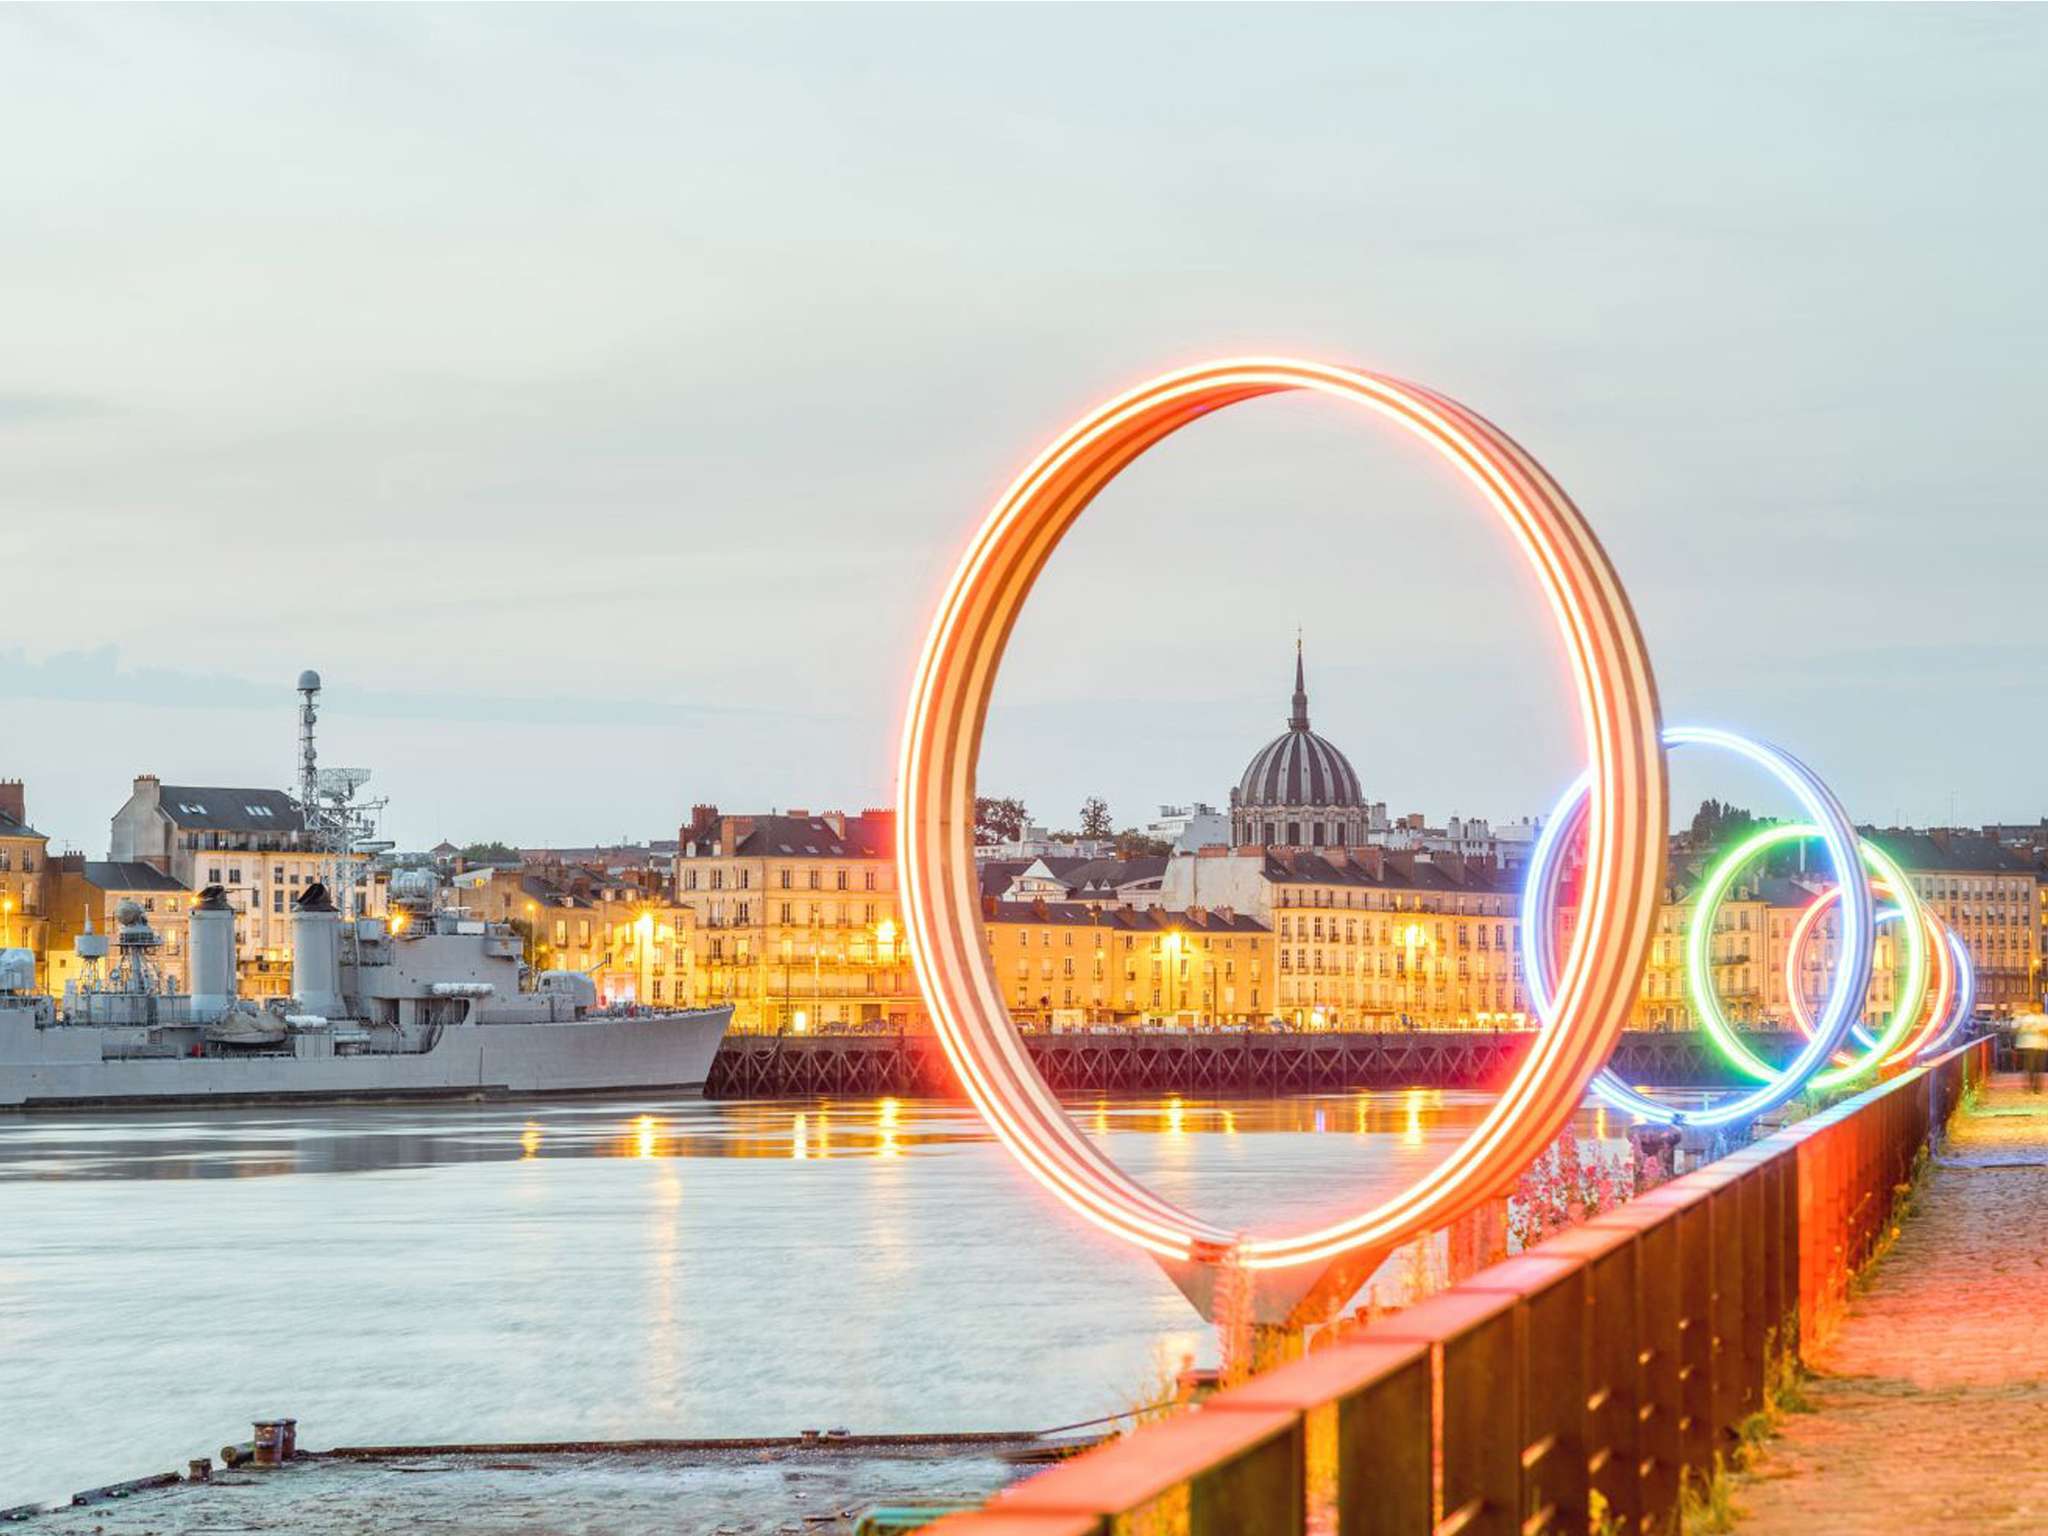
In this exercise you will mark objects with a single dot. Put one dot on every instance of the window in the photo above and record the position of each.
(277, 874)
(234, 875)
(213, 875)
(277, 899)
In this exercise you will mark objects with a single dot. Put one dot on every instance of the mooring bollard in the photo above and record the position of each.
(269, 1442)
(199, 1470)
(287, 1439)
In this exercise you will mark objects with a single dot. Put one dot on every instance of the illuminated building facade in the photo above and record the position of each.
(631, 939)
(1367, 939)
(79, 887)
(24, 909)
(796, 916)
(1069, 963)
(1991, 896)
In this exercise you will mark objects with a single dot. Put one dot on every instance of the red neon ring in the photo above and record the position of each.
(948, 704)
(1939, 1001)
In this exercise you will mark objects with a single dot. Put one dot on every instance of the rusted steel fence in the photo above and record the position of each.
(1590, 1372)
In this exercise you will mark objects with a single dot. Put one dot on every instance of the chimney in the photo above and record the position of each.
(836, 820)
(1373, 860)
(732, 830)
(14, 801)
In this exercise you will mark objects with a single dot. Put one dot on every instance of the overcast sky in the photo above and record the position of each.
(598, 397)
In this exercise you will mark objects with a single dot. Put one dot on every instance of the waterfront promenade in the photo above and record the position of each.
(1932, 1398)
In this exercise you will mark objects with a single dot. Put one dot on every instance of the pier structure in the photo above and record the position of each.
(1077, 1063)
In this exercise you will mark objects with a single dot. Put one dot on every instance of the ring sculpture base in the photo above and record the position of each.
(1310, 1296)
(1297, 1297)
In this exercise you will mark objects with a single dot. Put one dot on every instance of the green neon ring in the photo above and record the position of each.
(1699, 960)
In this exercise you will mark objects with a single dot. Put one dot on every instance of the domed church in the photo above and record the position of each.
(1299, 791)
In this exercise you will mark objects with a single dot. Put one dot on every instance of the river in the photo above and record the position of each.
(599, 1270)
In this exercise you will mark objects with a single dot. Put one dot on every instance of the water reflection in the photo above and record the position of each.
(661, 1267)
(202, 1144)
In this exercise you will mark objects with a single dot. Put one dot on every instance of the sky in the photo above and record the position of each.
(598, 397)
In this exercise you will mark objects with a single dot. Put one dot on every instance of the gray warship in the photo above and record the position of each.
(426, 1004)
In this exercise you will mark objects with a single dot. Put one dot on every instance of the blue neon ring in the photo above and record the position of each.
(1852, 978)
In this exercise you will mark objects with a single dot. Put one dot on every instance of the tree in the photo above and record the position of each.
(1095, 822)
(1716, 822)
(489, 853)
(1133, 844)
(998, 821)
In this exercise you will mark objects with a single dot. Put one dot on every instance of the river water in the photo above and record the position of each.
(603, 1270)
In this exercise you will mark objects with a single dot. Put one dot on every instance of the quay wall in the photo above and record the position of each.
(913, 1065)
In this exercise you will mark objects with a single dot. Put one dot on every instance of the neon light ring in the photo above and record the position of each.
(1912, 990)
(1852, 978)
(949, 697)
(1965, 1005)
(1939, 1000)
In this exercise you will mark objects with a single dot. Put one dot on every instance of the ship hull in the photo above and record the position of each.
(61, 1068)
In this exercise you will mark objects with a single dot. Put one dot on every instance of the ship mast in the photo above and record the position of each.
(339, 826)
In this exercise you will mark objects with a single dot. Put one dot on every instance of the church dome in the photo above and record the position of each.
(1299, 769)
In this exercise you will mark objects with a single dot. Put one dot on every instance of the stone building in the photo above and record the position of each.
(253, 843)
(24, 908)
(1072, 963)
(82, 889)
(796, 919)
(1367, 939)
(629, 937)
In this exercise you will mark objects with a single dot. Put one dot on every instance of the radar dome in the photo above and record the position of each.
(309, 681)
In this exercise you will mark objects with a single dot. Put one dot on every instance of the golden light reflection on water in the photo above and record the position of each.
(901, 1129)
(891, 1113)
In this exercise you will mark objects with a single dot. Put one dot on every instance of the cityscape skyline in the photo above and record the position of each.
(679, 467)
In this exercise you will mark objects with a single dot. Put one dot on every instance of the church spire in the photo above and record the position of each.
(1298, 721)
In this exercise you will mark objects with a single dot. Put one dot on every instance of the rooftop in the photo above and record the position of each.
(212, 808)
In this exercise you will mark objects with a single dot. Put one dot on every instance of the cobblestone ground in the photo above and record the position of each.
(1932, 1398)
